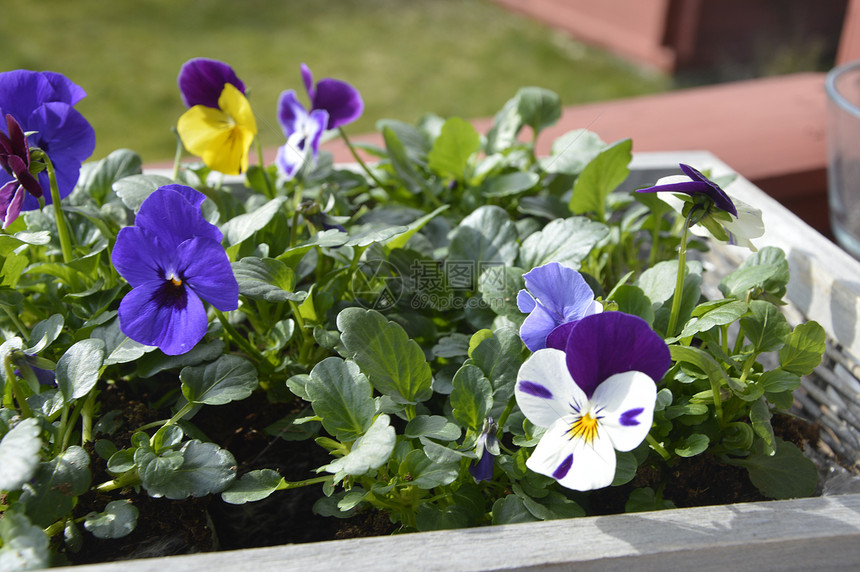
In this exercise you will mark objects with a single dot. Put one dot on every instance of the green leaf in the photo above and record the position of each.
(725, 312)
(229, 378)
(432, 427)
(97, 178)
(135, 189)
(766, 269)
(472, 397)
(155, 362)
(403, 165)
(572, 152)
(760, 416)
(702, 360)
(645, 500)
(119, 348)
(778, 380)
(507, 124)
(567, 241)
(370, 451)
(252, 487)
(510, 510)
(500, 356)
(632, 300)
(485, 235)
(119, 519)
(499, 286)
(54, 490)
(244, 226)
(394, 364)
(509, 184)
(19, 450)
(786, 474)
(78, 369)
(765, 327)
(692, 445)
(451, 151)
(803, 349)
(10, 242)
(24, 546)
(539, 108)
(425, 473)
(266, 279)
(45, 332)
(341, 396)
(400, 240)
(600, 177)
(200, 469)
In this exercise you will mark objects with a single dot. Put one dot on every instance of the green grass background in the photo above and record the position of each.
(407, 57)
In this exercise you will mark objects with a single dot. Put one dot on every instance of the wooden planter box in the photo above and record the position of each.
(821, 533)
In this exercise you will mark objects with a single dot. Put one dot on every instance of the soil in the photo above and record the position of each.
(168, 527)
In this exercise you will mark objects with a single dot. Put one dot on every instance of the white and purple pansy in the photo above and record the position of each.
(555, 298)
(594, 397)
(302, 130)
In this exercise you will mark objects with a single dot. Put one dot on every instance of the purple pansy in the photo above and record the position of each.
(594, 397)
(698, 184)
(339, 99)
(42, 105)
(555, 298)
(302, 130)
(201, 81)
(486, 448)
(15, 160)
(173, 260)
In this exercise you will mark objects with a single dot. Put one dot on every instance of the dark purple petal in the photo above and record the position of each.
(290, 111)
(205, 268)
(342, 102)
(11, 197)
(536, 389)
(563, 468)
(160, 314)
(602, 345)
(698, 185)
(557, 339)
(170, 214)
(22, 91)
(628, 418)
(482, 469)
(201, 81)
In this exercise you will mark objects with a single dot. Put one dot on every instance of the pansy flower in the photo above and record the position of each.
(339, 99)
(726, 218)
(41, 105)
(173, 260)
(302, 130)
(595, 397)
(555, 298)
(219, 127)
(486, 449)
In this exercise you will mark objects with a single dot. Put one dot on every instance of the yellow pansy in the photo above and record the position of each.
(221, 137)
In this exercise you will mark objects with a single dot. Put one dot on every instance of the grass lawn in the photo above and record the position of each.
(407, 57)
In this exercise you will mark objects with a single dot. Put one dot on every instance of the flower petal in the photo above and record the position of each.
(308, 80)
(537, 327)
(138, 256)
(204, 266)
(169, 214)
(544, 388)
(626, 404)
(174, 327)
(721, 199)
(342, 102)
(601, 345)
(201, 81)
(574, 463)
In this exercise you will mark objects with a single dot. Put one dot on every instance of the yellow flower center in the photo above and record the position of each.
(584, 427)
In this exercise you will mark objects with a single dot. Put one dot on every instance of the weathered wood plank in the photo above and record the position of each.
(818, 533)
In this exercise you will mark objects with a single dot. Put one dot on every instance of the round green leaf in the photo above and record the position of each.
(19, 450)
(229, 378)
(252, 486)
(78, 368)
(118, 520)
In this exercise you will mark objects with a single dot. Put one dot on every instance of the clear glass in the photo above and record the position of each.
(843, 171)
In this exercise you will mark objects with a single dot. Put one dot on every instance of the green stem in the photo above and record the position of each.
(269, 187)
(358, 158)
(679, 281)
(503, 418)
(87, 418)
(658, 447)
(22, 329)
(12, 380)
(297, 203)
(124, 480)
(285, 485)
(183, 411)
(239, 339)
(177, 157)
(62, 226)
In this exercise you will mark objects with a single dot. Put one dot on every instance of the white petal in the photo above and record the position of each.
(748, 224)
(545, 389)
(575, 464)
(625, 403)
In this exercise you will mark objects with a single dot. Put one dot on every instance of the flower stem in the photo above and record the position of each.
(682, 273)
(658, 447)
(12, 380)
(271, 190)
(177, 157)
(239, 339)
(62, 226)
(126, 479)
(285, 485)
(358, 158)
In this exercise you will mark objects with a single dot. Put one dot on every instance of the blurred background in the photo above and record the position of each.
(407, 57)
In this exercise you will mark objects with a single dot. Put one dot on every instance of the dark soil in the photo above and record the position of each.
(169, 527)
